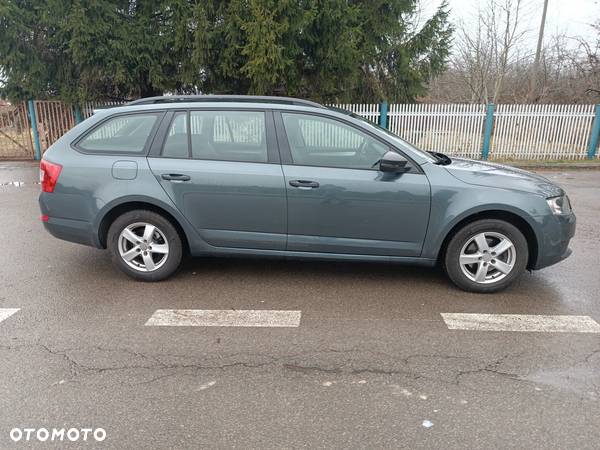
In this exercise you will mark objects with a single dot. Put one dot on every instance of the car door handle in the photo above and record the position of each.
(175, 177)
(304, 184)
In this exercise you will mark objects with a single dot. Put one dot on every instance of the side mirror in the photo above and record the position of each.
(393, 162)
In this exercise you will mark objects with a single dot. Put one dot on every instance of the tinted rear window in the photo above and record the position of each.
(121, 134)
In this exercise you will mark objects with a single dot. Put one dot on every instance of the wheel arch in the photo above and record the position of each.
(111, 212)
(511, 217)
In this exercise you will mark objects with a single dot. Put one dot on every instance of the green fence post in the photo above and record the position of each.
(489, 126)
(594, 135)
(77, 114)
(36, 137)
(383, 114)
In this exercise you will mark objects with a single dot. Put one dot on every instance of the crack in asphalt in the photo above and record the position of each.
(309, 369)
(591, 355)
(78, 369)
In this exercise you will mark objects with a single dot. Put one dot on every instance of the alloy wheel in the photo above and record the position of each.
(487, 257)
(143, 247)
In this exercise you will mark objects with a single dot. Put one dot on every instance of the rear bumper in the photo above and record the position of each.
(72, 230)
(556, 234)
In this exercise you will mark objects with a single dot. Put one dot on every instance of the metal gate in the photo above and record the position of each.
(54, 119)
(15, 132)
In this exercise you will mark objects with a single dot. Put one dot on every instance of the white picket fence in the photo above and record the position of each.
(367, 110)
(541, 131)
(520, 131)
(455, 129)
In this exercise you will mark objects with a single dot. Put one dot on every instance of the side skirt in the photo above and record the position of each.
(316, 255)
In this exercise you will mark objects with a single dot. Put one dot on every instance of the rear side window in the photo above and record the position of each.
(120, 134)
(229, 135)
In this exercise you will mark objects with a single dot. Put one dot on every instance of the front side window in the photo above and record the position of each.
(121, 134)
(229, 135)
(320, 141)
(401, 143)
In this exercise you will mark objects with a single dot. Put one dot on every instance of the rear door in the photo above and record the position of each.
(221, 168)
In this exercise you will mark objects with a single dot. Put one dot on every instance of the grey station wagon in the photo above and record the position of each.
(274, 176)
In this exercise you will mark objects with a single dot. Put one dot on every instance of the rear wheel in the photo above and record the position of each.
(486, 256)
(145, 245)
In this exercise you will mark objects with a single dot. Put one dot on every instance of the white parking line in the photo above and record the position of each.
(521, 322)
(224, 318)
(5, 313)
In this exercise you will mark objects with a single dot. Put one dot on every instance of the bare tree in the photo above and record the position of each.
(569, 72)
(589, 65)
(486, 47)
(487, 44)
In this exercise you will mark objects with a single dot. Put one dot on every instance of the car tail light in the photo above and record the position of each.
(49, 173)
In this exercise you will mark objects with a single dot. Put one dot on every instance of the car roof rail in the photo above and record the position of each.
(225, 98)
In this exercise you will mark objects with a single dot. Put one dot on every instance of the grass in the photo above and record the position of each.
(547, 161)
(552, 161)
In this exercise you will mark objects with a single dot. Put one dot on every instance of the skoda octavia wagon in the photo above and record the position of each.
(273, 176)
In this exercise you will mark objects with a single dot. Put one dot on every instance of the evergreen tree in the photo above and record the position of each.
(327, 50)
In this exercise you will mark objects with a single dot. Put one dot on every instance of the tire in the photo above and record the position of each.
(152, 259)
(471, 262)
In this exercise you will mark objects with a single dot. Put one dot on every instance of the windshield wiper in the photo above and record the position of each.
(441, 159)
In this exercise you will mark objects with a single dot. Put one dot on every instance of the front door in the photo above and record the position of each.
(218, 167)
(338, 201)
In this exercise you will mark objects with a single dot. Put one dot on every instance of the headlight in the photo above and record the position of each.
(559, 205)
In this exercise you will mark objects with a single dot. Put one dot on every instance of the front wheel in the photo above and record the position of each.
(486, 256)
(144, 245)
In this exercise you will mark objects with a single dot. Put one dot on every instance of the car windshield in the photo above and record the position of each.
(401, 142)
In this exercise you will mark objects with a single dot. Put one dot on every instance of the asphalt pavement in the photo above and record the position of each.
(364, 359)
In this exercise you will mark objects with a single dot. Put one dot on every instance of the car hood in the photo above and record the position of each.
(497, 175)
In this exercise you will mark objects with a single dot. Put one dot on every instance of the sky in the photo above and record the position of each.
(570, 17)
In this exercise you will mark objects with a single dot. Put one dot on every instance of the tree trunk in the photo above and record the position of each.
(146, 88)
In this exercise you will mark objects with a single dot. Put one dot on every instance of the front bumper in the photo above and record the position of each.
(556, 233)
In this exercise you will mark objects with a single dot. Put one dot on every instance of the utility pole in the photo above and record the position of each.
(533, 82)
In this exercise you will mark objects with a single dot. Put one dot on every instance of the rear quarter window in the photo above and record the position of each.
(127, 133)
